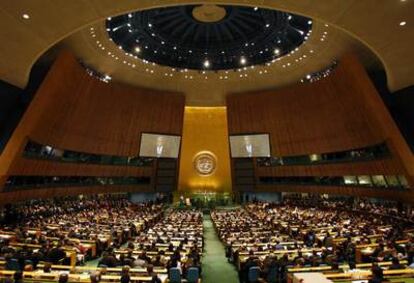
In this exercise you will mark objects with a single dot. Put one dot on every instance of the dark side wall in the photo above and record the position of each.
(14, 101)
(400, 104)
(12, 106)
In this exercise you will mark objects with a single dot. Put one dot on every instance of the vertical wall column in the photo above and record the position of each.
(205, 157)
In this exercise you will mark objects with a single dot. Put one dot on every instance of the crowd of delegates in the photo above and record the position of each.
(175, 242)
(138, 239)
(312, 232)
(56, 231)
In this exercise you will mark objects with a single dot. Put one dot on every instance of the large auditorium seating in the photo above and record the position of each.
(341, 239)
(141, 242)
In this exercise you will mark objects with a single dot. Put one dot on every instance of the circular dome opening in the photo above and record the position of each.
(208, 37)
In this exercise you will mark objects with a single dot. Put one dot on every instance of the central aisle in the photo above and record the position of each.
(216, 268)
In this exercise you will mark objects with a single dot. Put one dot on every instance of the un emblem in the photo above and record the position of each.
(205, 163)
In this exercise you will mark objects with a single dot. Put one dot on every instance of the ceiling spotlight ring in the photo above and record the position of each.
(228, 37)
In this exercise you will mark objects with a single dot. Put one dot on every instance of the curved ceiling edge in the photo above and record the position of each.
(19, 76)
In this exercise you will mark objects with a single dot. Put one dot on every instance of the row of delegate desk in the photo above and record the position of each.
(102, 232)
(362, 272)
(262, 239)
(186, 235)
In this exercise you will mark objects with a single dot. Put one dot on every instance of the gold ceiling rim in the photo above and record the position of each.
(147, 4)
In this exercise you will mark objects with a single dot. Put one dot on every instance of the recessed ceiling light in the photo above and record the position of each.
(256, 8)
(277, 51)
(243, 60)
(403, 23)
(206, 63)
(137, 49)
(26, 16)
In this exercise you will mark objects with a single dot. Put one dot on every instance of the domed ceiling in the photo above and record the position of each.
(208, 51)
(374, 32)
(210, 36)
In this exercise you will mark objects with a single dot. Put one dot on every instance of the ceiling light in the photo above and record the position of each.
(206, 63)
(403, 23)
(308, 76)
(256, 8)
(25, 16)
(267, 25)
(137, 49)
(243, 60)
(309, 22)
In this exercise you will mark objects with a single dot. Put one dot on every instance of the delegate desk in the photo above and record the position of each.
(88, 245)
(343, 267)
(151, 254)
(54, 276)
(243, 256)
(70, 253)
(365, 275)
(117, 270)
(368, 249)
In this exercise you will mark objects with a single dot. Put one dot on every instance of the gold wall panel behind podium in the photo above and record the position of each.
(205, 131)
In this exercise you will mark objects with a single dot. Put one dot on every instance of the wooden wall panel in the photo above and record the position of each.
(33, 167)
(95, 117)
(75, 111)
(11, 197)
(403, 196)
(376, 167)
(319, 117)
(341, 112)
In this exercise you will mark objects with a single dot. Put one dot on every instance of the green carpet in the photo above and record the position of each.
(216, 268)
(94, 262)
